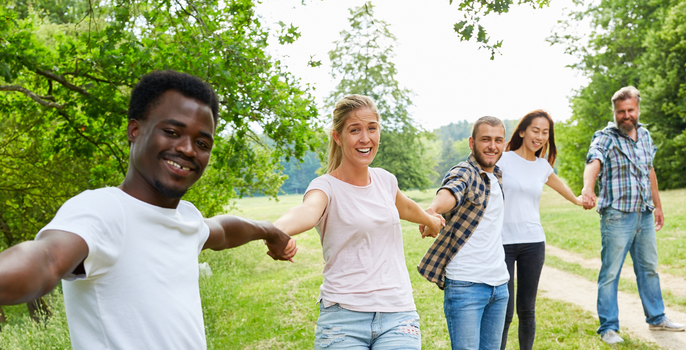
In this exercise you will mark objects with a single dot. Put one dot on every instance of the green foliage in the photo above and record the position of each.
(633, 43)
(470, 27)
(361, 62)
(67, 68)
(300, 173)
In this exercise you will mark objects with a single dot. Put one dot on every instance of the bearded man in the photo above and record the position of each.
(621, 156)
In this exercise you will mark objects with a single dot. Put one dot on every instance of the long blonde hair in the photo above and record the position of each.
(345, 107)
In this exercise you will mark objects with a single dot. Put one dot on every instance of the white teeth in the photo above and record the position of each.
(177, 165)
(364, 150)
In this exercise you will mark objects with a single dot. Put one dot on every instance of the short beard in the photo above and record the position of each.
(169, 192)
(481, 161)
(627, 129)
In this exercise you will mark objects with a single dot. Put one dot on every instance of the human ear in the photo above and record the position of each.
(133, 129)
(336, 137)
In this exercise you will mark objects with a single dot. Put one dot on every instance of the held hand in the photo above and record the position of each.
(579, 201)
(437, 222)
(588, 197)
(281, 246)
(659, 218)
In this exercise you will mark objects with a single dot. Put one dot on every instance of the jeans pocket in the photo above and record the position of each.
(332, 308)
(458, 284)
(611, 216)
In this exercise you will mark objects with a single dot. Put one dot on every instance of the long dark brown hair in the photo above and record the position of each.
(549, 147)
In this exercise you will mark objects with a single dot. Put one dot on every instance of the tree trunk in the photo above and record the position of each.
(39, 310)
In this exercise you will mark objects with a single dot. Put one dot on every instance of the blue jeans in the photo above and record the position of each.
(338, 328)
(632, 232)
(475, 313)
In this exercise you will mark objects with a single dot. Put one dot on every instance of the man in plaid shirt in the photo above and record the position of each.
(467, 259)
(621, 155)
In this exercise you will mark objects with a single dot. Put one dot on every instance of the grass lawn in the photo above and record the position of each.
(253, 302)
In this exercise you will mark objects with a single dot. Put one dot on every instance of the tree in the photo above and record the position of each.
(633, 43)
(664, 84)
(470, 27)
(67, 68)
(300, 173)
(362, 63)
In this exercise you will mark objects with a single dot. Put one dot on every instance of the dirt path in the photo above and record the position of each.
(560, 285)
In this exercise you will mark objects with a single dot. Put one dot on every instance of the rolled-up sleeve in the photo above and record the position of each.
(597, 148)
(456, 182)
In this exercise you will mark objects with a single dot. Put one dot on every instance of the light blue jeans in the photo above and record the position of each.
(338, 328)
(475, 313)
(632, 232)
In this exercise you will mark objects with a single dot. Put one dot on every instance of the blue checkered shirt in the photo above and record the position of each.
(470, 185)
(625, 168)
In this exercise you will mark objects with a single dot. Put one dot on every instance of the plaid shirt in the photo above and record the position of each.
(471, 187)
(625, 168)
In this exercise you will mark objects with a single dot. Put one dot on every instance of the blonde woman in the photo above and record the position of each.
(366, 297)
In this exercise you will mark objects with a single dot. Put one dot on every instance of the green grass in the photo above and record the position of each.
(253, 302)
(571, 228)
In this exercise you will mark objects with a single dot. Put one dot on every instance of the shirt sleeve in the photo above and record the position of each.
(322, 184)
(98, 218)
(549, 171)
(456, 181)
(599, 145)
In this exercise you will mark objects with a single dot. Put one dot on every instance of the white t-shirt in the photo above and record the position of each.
(363, 245)
(482, 258)
(140, 289)
(523, 182)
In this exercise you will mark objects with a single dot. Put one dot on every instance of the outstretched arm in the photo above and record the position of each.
(443, 202)
(228, 231)
(590, 174)
(430, 225)
(659, 215)
(32, 269)
(304, 216)
(560, 187)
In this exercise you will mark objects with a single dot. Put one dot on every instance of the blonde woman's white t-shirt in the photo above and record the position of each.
(523, 182)
(140, 287)
(362, 245)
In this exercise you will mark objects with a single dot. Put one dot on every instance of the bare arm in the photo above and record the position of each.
(228, 231)
(304, 216)
(32, 269)
(590, 174)
(430, 225)
(443, 202)
(560, 187)
(659, 215)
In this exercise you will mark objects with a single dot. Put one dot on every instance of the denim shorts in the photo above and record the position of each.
(339, 328)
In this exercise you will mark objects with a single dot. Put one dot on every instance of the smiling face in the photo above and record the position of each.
(536, 134)
(359, 139)
(170, 149)
(487, 145)
(626, 114)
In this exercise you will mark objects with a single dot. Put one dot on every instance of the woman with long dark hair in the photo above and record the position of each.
(525, 171)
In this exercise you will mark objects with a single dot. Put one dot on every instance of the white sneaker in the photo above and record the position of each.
(611, 337)
(667, 325)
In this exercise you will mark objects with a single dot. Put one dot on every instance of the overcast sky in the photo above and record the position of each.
(452, 80)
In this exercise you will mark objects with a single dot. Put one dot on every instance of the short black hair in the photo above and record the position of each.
(146, 94)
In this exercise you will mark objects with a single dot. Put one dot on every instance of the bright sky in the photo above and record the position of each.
(452, 80)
